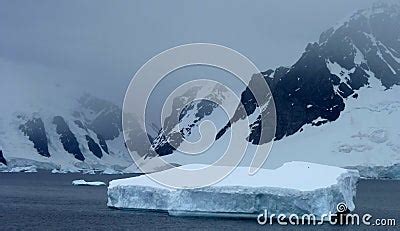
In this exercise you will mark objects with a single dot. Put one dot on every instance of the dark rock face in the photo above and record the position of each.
(302, 94)
(135, 138)
(80, 125)
(328, 72)
(202, 109)
(2, 159)
(94, 147)
(107, 122)
(34, 129)
(167, 140)
(73, 128)
(67, 138)
(314, 90)
(185, 107)
(103, 143)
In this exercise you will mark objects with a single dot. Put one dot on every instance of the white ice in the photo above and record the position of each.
(294, 188)
(89, 183)
(110, 171)
(23, 169)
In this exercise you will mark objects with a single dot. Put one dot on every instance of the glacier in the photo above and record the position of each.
(294, 188)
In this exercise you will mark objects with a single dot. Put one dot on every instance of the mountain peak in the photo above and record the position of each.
(379, 13)
(362, 51)
(378, 8)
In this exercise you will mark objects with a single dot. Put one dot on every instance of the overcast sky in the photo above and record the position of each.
(105, 42)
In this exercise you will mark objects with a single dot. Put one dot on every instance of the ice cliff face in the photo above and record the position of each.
(282, 190)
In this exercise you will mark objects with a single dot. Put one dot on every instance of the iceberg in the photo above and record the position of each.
(294, 188)
(88, 183)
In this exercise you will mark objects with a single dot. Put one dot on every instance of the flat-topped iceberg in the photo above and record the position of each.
(294, 188)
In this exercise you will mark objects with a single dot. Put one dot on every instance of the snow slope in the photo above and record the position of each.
(56, 125)
(365, 134)
(337, 105)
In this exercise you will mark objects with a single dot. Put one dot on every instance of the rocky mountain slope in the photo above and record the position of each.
(346, 58)
(338, 103)
(47, 126)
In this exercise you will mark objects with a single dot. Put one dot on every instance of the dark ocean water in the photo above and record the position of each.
(45, 201)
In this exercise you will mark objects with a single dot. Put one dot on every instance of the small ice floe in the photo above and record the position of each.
(88, 183)
(294, 188)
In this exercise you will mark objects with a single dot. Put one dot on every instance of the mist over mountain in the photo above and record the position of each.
(58, 125)
(346, 58)
(54, 124)
(345, 80)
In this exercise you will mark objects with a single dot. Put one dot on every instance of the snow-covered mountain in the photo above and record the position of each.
(346, 58)
(190, 112)
(338, 104)
(52, 125)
